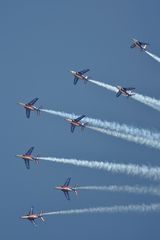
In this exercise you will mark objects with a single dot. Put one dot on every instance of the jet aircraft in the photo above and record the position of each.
(79, 75)
(30, 107)
(66, 188)
(138, 44)
(125, 91)
(76, 123)
(32, 216)
(27, 157)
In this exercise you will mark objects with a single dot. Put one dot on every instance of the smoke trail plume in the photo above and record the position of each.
(128, 137)
(111, 126)
(114, 209)
(151, 102)
(128, 169)
(153, 56)
(126, 188)
(104, 85)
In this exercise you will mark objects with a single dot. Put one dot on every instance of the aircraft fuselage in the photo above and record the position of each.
(25, 157)
(74, 122)
(125, 92)
(139, 44)
(64, 188)
(31, 217)
(80, 76)
(28, 106)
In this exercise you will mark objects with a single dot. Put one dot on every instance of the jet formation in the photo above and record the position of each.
(75, 122)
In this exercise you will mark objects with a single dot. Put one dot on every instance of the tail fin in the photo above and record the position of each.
(75, 80)
(36, 160)
(39, 110)
(41, 216)
(75, 189)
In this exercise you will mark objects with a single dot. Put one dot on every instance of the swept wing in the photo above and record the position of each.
(29, 151)
(67, 195)
(28, 112)
(133, 45)
(32, 102)
(129, 88)
(30, 211)
(118, 93)
(26, 161)
(67, 182)
(79, 118)
(83, 71)
(75, 80)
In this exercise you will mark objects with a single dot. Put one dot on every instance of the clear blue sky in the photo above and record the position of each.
(40, 42)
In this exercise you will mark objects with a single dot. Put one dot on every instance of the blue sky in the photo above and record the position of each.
(40, 42)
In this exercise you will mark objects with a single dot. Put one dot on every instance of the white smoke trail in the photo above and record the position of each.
(104, 85)
(113, 209)
(153, 56)
(128, 137)
(128, 169)
(126, 188)
(151, 102)
(111, 125)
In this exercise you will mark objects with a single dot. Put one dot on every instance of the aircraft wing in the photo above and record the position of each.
(133, 45)
(28, 112)
(27, 164)
(67, 181)
(75, 80)
(118, 93)
(129, 88)
(83, 71)
(33, 101)
(67, 195)
(30, 151)
(72, 128)
(79, 118)
(30, 211)
(143, 43)
(33, 222)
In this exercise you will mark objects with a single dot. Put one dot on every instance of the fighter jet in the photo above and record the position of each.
(32, 216)
(30, 107)
(27, 157)
(79, 75)
(138, 44)
(125, 91)
(76, 123)
(66, 188)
